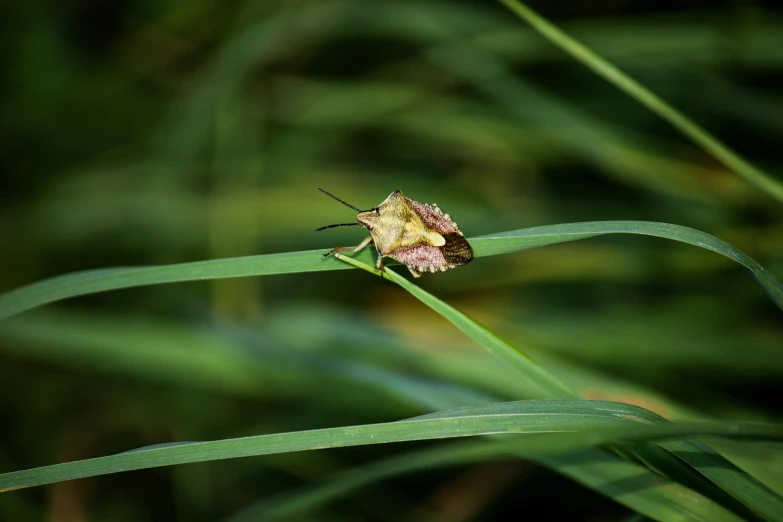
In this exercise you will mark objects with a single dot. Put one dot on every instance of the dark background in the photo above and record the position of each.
(154, 132)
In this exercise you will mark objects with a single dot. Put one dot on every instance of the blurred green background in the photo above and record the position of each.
(141, 132)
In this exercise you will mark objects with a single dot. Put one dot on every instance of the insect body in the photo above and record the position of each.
(419, 235)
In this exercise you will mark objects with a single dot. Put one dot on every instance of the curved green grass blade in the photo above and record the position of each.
(214, 366)
(742, 486)
(636, 487)
(659, 498)
(644, 96)
(550, 426)
(761, 460)
(524, 239)
(547, 382)
(731, 481)
(92, 281)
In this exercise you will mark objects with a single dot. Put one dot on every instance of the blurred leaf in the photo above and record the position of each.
(141, 134)
(764, 461)
(644, 96)
(627, 483)
(709, 463)
(561, 426)
(546, 382)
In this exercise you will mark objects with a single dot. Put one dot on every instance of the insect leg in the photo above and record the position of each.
(415, 273)
(349, 249)
(379, 264)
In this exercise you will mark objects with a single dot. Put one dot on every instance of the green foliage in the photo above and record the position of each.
(626, 376)
(647, 98)
(484, 420)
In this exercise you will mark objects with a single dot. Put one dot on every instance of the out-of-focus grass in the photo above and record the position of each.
(729, 487)
(647, 98)
(149, 133)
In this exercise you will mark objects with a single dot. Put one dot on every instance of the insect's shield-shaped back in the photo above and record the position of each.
(419, 235)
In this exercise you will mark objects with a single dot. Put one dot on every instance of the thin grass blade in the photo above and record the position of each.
(559, 425)
(647, 98)
(93, 281)
(660, 498)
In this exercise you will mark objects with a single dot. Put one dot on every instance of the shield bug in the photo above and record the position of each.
(419, 235)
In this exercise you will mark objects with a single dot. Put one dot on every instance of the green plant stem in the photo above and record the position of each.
(673, 458)
(647, 98)
(550, 385)
(92, 281)
(550, 427)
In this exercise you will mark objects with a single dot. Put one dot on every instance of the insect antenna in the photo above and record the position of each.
(339, 225)
(341, 201)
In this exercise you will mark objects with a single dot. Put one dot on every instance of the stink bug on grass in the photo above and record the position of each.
(419, 235)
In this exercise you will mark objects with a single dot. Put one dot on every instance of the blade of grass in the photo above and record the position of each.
(489, 245)
(516, 240)
(764, 461)
(548, 383)
(140, 347)
(659, 498)
(550, 425)
(92, 281)
(647, 98)
(741, 485)
(219, 367)
(732, 481)
(636, 487)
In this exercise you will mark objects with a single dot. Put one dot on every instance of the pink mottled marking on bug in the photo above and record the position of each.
(433, 217)
(420, 255)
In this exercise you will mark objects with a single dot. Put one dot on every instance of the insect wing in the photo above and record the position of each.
(457, 251)
(433, 217)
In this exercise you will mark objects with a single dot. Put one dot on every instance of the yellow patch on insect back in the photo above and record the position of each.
(435, 239)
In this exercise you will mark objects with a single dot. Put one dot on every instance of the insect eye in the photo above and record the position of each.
(378, 211)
